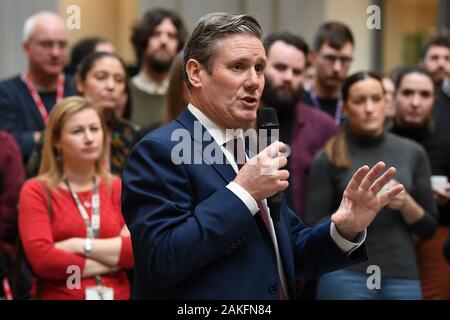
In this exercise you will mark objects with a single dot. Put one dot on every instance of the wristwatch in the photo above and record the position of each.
(87, 247)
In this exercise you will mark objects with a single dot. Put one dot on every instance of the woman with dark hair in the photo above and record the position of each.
(412, 214)
(102, 79)
(414, 99)
(85, 47)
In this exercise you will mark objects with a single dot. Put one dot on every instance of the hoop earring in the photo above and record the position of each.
(59, 156)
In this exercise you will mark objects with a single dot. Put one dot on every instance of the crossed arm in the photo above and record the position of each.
(105, 254)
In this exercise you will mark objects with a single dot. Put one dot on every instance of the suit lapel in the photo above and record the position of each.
(205, 147)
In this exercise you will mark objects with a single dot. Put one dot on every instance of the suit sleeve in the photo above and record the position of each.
(316, 253)
(173, 236)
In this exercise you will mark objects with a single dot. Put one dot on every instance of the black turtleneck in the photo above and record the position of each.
(437, 147)
(390, 243)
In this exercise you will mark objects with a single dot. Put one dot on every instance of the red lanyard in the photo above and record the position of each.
(37, 99)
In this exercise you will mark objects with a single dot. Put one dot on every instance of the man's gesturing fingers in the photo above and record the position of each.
(378, 185)
(373, 174)
(357, 178)
(387, 196)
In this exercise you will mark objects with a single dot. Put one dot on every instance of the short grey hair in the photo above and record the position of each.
(201, 44)
(30, 23)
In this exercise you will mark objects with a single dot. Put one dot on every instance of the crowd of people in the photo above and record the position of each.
(92, 205)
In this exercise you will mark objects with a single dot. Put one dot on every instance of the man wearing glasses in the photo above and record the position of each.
(332, 56)
(27, 99)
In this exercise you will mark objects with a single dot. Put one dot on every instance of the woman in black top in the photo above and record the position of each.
(414, 99)
(391, 270)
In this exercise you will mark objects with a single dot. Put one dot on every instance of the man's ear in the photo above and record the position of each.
(26, 47)
(195, 73)
(78, 85)
(345, 110)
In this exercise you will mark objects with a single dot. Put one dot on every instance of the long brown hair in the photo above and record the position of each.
(336, 148)
(51, 168)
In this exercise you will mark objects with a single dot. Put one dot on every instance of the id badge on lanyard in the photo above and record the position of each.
(93, 224)
(99, 292)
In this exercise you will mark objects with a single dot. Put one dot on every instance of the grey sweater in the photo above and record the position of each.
(390, 240)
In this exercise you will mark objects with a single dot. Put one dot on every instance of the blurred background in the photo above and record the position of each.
(404, 23)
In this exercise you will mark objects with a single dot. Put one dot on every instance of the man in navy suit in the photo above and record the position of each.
(199, 218)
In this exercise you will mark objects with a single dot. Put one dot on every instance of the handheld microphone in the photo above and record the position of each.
(268, 132)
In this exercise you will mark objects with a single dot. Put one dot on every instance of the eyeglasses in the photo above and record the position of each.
(331, 59)
(48, 45)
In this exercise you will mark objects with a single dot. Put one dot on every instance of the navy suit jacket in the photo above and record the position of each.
(195, 239)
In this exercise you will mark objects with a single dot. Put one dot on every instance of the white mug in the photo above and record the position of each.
(439, 183)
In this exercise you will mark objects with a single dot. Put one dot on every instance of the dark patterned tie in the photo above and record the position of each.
(240, 158)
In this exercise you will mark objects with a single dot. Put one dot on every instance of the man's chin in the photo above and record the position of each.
(52, 71)
(245, 121)
(333, 83)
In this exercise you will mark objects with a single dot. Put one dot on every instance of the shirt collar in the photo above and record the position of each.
(220, 135)
(146, 84)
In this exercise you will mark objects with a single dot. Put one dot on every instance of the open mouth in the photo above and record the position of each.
(250, 100)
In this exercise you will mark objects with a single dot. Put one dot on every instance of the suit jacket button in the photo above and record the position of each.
(273, 289)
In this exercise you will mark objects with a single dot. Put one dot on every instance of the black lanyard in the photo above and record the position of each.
(338, 113)
(92, 225)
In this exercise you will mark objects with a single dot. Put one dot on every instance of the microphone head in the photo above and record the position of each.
(266, 117)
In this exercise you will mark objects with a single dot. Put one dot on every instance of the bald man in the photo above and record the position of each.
(27, 99)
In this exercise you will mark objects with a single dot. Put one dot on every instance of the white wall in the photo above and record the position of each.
(298, 16)
(302, 17)
(353, 13)
(13, 14)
